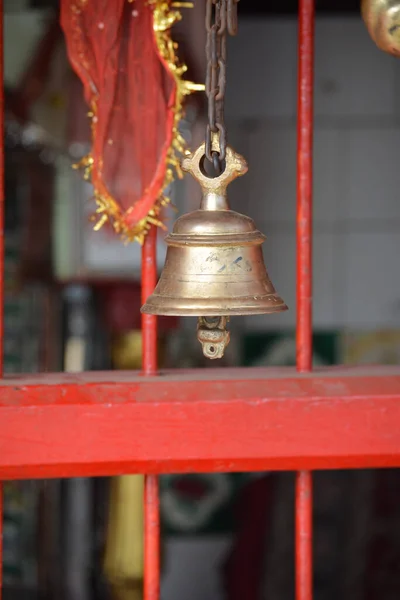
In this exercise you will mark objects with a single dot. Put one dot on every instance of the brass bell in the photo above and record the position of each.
(382, 18)
(214, 266)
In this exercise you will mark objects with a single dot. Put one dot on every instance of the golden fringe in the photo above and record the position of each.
(165, 15)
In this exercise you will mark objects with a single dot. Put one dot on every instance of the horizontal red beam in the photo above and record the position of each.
(206, 420)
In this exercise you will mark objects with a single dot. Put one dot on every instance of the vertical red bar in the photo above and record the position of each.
(149, 322)
(149, 367)
(304, 536)
(1, 258)
(1, 539)
(304, 566)
(304, 183)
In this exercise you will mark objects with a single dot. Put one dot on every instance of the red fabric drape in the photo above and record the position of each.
(131, 94)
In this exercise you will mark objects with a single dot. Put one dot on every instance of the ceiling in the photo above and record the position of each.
(267, 7)
(291, 6)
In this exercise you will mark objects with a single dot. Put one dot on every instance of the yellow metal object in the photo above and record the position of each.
(382, 18)
(214, 265)
(123, 564)
(127, 350)
(123, 560)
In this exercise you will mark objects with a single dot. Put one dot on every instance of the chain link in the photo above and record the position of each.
(221, 19)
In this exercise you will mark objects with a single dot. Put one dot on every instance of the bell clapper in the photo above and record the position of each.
(213, 336)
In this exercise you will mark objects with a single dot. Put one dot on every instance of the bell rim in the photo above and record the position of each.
(179, 308)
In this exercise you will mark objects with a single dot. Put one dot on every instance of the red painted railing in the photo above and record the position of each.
(67, 425)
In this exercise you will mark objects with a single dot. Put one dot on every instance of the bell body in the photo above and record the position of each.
(382, 18)
(214, 267)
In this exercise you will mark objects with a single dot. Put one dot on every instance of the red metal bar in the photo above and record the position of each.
(1, 540)
(152, 539)
(206, 420)
(1, 256)
(149, 367)
(303, 535)
(304, 184)
(304, 589)
(149, 322)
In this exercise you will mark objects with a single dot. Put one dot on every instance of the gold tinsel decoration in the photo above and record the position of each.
(165, 15)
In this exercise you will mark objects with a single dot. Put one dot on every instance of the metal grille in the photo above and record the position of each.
(192, 422)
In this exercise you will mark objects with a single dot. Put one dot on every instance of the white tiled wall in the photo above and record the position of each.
(261, 49)
(372, 174)
(371, 279)
(356, 166)
(353, 79)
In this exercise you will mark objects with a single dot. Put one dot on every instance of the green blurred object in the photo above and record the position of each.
(279, 349)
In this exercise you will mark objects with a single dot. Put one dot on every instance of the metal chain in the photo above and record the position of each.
(221, 19)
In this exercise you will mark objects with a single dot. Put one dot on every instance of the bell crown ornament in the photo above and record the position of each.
(214, 265)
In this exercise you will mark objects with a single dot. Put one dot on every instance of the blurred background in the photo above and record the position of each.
(73, 300)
